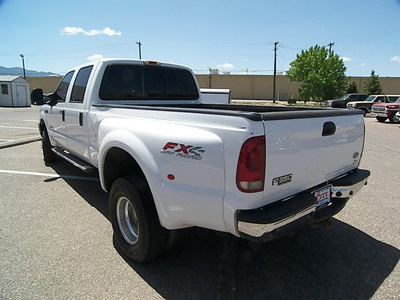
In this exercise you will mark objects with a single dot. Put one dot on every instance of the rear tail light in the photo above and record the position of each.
(362, 149)
(250, 173)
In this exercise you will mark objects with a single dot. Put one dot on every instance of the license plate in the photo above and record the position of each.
(323, 196)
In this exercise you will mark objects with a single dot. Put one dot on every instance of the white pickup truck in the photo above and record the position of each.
(169, 161)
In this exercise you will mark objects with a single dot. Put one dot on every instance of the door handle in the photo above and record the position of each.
(329, 128)
(62, 112)
(81, 119)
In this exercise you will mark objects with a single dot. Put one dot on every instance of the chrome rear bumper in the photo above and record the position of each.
(287, 215)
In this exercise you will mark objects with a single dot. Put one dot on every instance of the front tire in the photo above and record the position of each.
(365, 111)
(381, 119)
(48, 155)
(393, 119)
(137, 230)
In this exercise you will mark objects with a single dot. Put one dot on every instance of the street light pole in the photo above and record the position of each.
(23, 64)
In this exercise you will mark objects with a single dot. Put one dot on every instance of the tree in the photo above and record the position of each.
(321, 73)
(352, 89)
(373, 85)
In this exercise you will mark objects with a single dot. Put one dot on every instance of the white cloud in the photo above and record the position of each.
(363, 64)
(225, 66)
(346, 58)
(72, 30)
(95, 57)
(395, 58)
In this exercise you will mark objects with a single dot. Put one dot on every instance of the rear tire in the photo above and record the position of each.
(381, 119)
(48, 155)
(137, 229)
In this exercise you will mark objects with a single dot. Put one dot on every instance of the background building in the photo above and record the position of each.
(14, 91)
(247, 87)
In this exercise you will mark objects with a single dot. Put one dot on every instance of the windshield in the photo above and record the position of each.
(398, 100)
(370, 98)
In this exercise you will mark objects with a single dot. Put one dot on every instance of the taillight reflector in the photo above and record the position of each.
(250, 173)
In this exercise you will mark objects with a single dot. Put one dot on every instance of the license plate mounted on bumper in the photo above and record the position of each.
(323, 196)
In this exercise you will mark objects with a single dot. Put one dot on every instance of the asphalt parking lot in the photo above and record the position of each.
(56, 240)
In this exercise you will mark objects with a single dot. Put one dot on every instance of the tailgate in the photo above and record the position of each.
(306, 152)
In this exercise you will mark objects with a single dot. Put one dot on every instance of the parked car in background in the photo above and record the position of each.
(366, 105)
(384, 111)
(342, 101)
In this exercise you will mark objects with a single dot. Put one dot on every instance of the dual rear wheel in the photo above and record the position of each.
(137, 230)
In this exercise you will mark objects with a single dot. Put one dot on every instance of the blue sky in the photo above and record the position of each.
(232, 36)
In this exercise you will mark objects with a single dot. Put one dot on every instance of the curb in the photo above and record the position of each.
(20, 142)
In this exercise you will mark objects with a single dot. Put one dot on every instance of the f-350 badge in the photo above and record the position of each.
(282, 179)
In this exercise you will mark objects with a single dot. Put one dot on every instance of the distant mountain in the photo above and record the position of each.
(29, 73)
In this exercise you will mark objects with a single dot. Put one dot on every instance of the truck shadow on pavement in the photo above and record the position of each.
(340, 263)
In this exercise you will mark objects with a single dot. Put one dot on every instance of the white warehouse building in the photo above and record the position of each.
(14, 91)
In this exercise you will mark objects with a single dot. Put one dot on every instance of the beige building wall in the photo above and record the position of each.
(251, 87)
(258, 87)
(47, 84)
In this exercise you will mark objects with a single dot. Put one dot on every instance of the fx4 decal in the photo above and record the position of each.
(182, 150)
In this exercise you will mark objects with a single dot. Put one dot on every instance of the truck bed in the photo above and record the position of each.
(252, 112)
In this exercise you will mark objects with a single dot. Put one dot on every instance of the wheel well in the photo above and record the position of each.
(119, 163)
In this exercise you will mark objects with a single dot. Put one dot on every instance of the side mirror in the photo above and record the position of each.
(37, 97)
(51, 99)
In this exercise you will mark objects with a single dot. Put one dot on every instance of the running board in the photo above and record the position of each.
(85, 167)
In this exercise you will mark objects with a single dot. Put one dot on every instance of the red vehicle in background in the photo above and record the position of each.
(383, 111)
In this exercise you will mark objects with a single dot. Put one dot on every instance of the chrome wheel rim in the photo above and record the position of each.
(127, 220)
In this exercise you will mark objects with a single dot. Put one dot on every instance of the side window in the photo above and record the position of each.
(121, 82)
(392, 99)
(78, 90)
(4, 89)
(379, 99)
(62, 88)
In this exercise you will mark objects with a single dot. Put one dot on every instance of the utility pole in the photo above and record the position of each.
(330, 47)
(209, 78)
(275, 47)
(140, 49)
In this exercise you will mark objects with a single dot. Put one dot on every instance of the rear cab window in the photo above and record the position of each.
(147, 82)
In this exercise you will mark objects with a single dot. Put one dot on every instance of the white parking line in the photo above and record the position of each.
(49, 175)
(15, 127)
